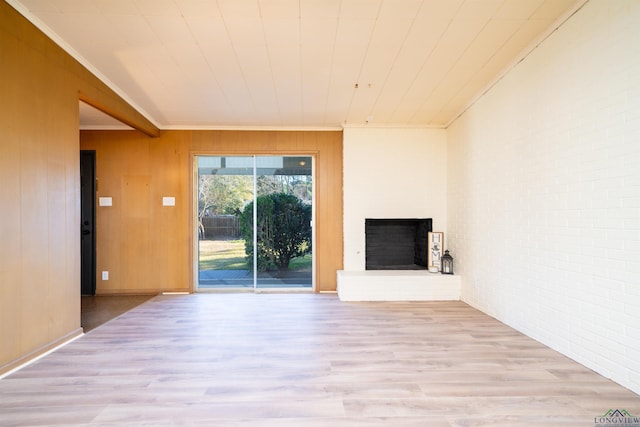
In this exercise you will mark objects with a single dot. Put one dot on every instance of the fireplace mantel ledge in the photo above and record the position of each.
(397, 285)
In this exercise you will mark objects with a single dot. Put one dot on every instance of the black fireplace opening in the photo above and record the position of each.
(396, 243)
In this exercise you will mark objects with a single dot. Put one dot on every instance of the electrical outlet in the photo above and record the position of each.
(105, 275)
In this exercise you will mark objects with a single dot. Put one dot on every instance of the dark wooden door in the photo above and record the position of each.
(87, 222)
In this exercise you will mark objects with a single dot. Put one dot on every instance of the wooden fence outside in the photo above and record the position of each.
(221, 227)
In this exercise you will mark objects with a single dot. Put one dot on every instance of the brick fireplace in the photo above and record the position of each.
(396, 265)
(392, 173)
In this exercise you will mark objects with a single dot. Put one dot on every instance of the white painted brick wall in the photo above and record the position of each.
(544, 193)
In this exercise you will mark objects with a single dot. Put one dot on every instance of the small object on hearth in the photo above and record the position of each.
(446, 263)
(433, 269)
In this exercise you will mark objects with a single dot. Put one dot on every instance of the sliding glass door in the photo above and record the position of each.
(255, 222)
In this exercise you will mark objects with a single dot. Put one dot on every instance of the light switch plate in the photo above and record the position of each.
(168, 201)
(105, 201)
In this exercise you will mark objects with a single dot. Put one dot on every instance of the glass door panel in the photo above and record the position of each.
(225, 188)
(284, 194)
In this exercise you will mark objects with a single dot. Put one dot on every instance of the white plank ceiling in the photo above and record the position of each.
(309, 64)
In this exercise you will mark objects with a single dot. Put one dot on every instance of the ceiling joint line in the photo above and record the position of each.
(364, 59)
(271, 74)
(426, 60)
(395, 59)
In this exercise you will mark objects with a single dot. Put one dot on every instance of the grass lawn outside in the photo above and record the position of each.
(230, 255)
(222, 255)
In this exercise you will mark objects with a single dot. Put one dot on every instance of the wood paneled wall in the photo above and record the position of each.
(40, 86)
(147, 247)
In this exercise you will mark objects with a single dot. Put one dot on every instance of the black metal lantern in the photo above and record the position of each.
(446, 263)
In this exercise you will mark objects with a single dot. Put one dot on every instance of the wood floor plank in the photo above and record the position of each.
(305, 360)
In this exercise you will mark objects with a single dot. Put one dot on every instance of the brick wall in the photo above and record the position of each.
(544, 193)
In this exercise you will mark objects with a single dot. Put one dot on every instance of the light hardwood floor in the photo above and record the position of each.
(306, 360)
